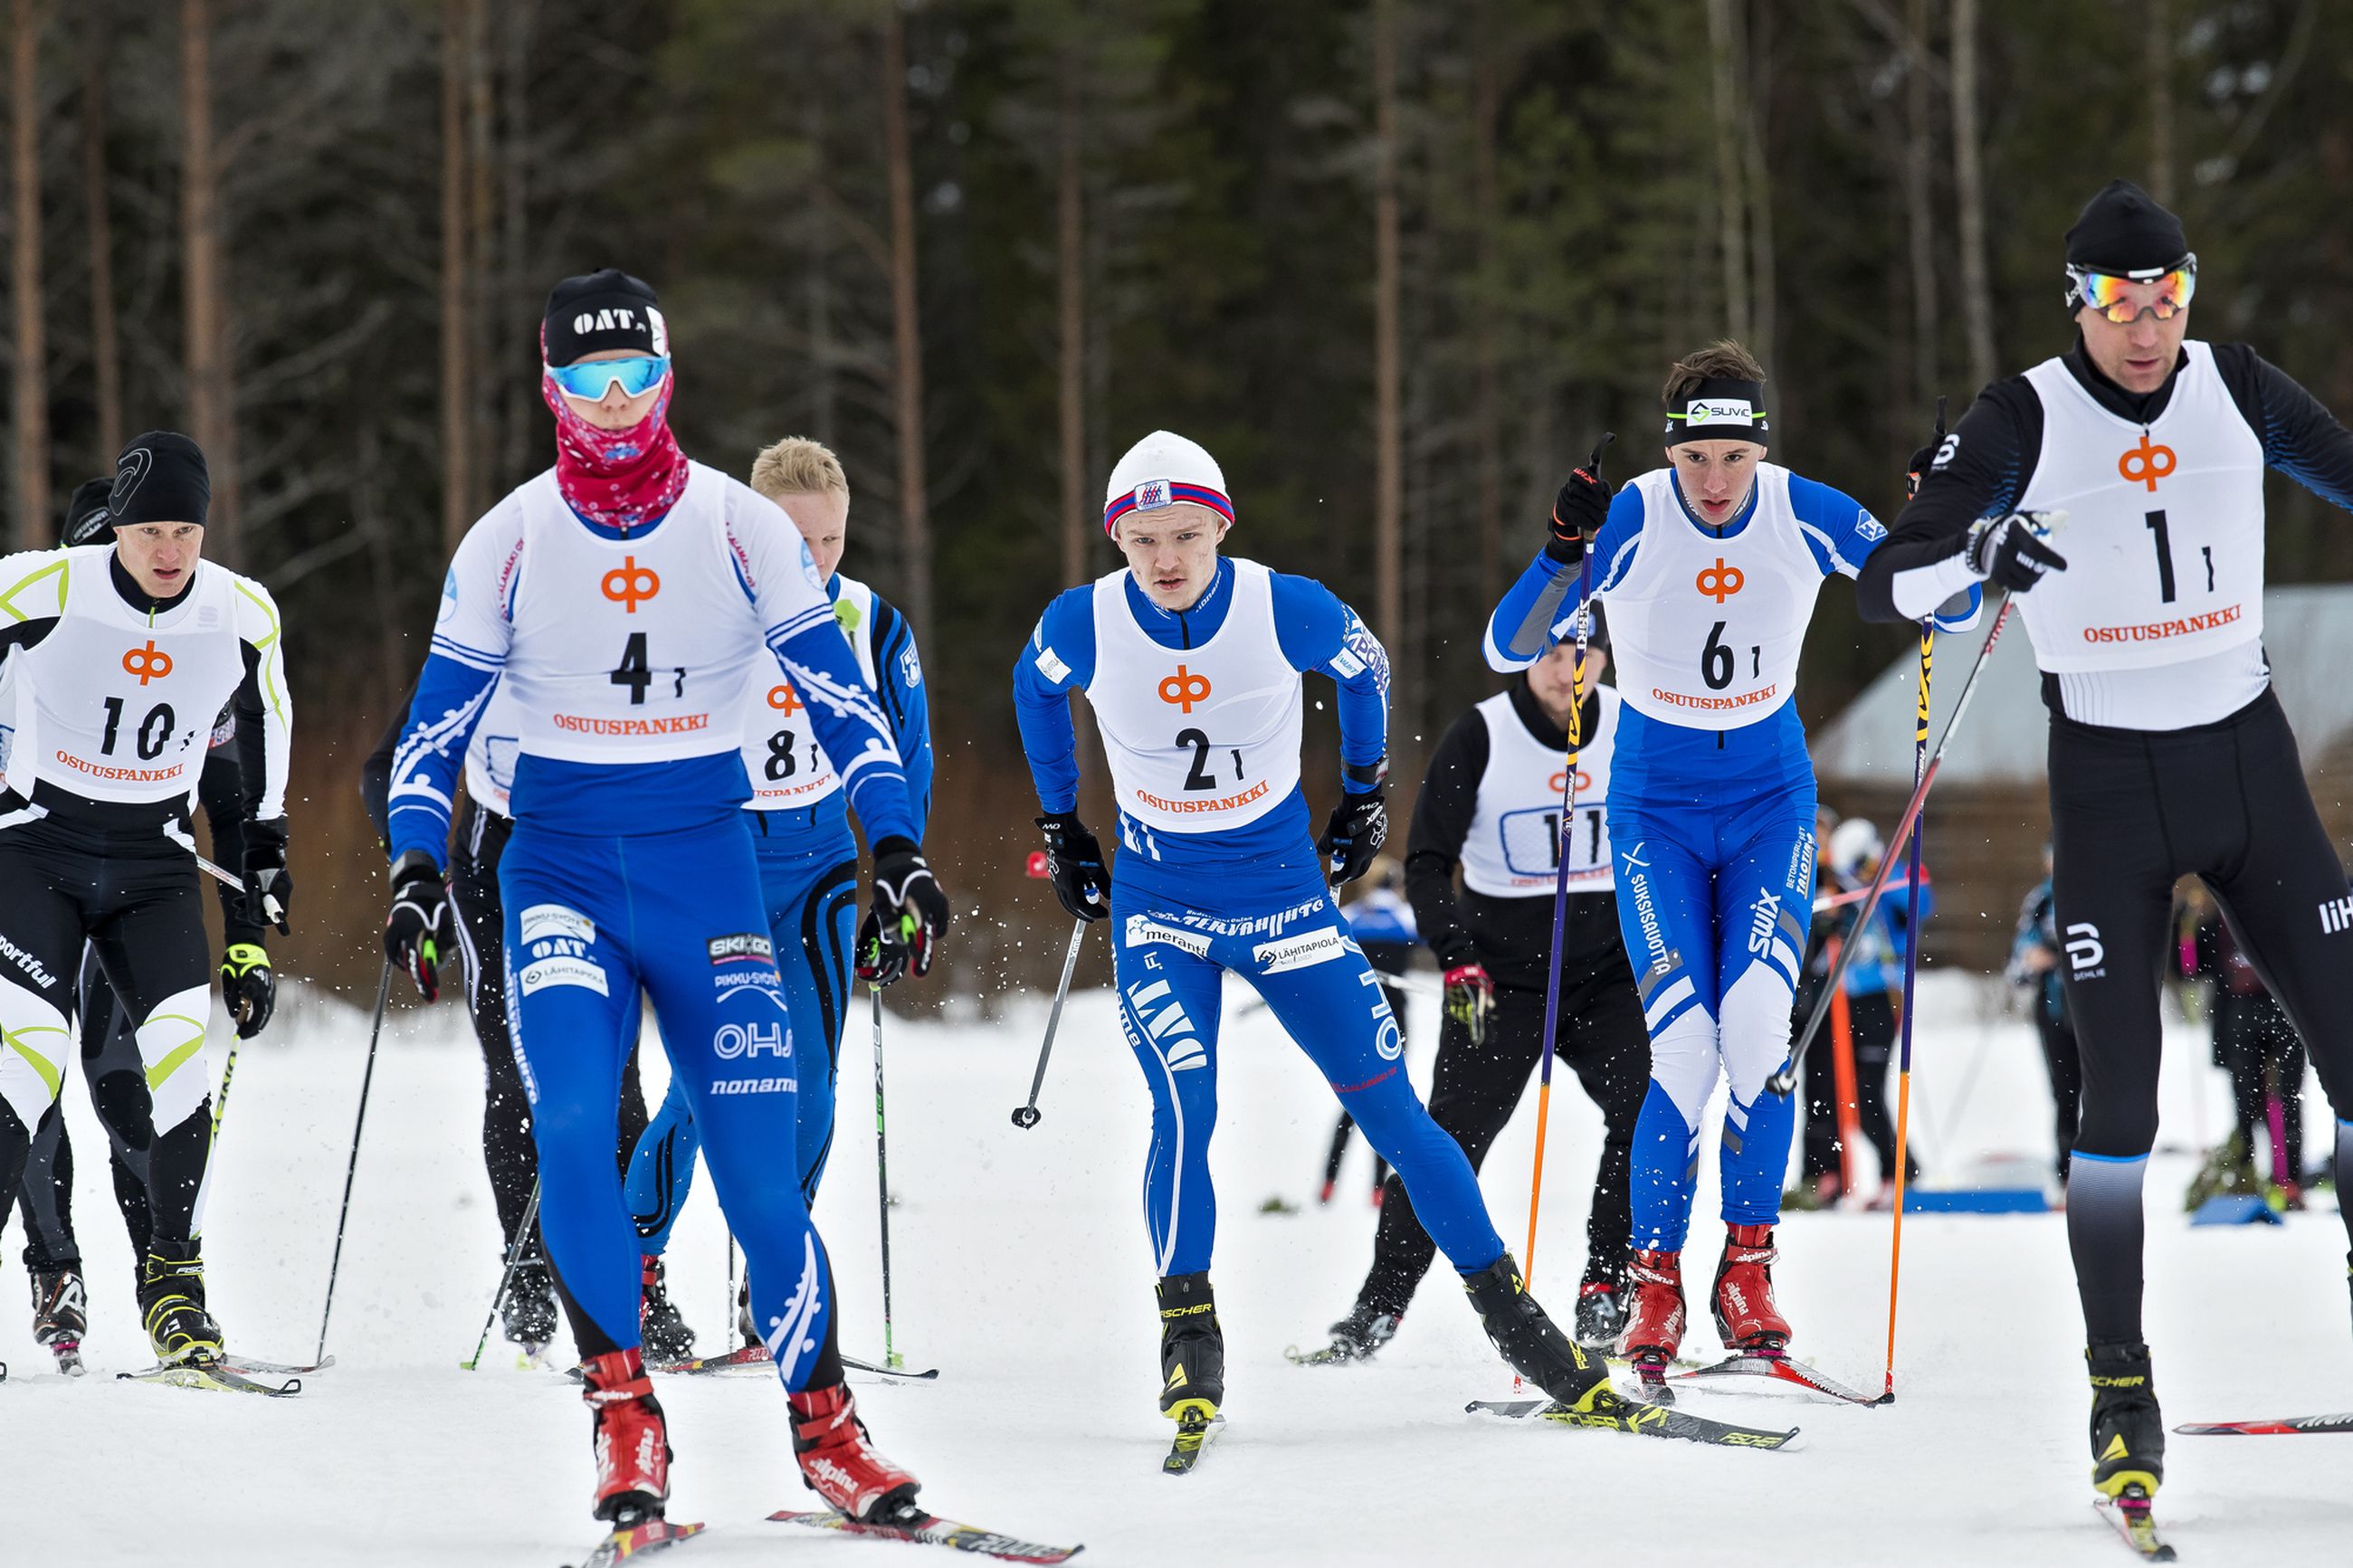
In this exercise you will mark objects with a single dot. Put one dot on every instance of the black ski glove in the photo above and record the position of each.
(249, 986)
(906, 918)
(1354, 834)
(412, 931)
(2009, 551)
(1579, 510)
(1074, 864)
(268, 888)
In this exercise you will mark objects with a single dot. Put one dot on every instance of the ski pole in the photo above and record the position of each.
(1566, 837)
(1024, 1115)
(228, 1076)
(1911, 978)
(1784, 1080)
(1340, 1132)
(506, 1277)
(230, 880)
(367, 1081)
(891, 1356)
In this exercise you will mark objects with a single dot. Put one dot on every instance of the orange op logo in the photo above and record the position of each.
(149, 663)
(629, 583)
(1720, 582)
(2145, 464)
(1184, 689)
(784, 700)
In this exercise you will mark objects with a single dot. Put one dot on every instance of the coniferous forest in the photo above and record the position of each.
(1396, 263)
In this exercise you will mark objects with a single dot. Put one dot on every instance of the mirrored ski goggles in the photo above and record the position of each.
(2122, 297)
(589, 380)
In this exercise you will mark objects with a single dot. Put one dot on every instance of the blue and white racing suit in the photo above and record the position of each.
(1199, 711)
(628, 654)
(809, 886)
(1711, 802)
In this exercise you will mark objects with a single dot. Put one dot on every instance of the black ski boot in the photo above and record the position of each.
(60, 1311)
(172, 1305)
(528, 1312)
(2127, 1433)
(1600, 1307)
(1356, 1336)
(1192, 1349)
(1531, 1341)
(666, 1338)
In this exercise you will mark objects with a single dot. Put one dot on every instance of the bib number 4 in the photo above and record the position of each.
(637, 674)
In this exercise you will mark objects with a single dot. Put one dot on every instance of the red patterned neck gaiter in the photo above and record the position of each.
(617, 479)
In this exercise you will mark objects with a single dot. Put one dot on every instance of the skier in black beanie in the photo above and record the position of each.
(2170, 755)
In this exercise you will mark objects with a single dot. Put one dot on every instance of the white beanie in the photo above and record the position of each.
(1162, 471)
(1854, 843)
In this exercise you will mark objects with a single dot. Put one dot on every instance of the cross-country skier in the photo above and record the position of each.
(1490, 805)
(1191, 662)
(809, 861)
(111, 1062)
(1706, 566)
(624, 598)
(122, 655)
(2170, 755)
(476, 926)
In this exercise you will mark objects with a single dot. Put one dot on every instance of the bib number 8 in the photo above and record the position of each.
(782, 764)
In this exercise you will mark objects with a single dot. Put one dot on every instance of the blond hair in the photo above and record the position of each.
(797, 465)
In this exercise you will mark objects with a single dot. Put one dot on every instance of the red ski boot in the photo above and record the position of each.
(838, 1461)
(1654, 1322)
(631, 1439)
(1745, 1317)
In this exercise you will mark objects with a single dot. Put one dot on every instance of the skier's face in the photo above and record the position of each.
(1715, 477)
(1172, 552)
(823, 519)
(160, 556)
(2138, 355)
(1550, 678)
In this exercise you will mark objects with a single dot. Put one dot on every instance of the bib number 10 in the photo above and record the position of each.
(634, 672)
(154, 733)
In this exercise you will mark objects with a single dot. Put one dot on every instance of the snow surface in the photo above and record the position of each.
(1022, 1272)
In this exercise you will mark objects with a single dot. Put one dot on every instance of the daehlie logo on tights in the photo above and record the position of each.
(2335, 915)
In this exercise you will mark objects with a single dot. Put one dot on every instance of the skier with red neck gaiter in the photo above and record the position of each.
(617, 462)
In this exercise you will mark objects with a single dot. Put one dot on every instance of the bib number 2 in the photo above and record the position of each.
(1198, 775)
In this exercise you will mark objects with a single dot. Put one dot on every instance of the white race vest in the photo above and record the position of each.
(110, 705)
(781, 755)
(629, 650)
(1511, 850)
(1705, 632)
(1204, 738)
(2164, 536)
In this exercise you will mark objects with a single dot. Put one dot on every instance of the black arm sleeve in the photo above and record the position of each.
(375, 773)
(252, 756)
(24, 634)
(1979, 472)
(2301, 438)
(220, 789)
(1441, 818)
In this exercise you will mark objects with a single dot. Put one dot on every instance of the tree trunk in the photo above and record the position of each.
(1919, 199)
(30, 384)
(105, 337)
(914, 517)
(1763, 281)
(819, 285)
(1070, 289)
(458, 435)
(1486, 108)
(1968, 182)
(212, 390)
(480, 258)
(1730, 199)
(2156, 33)
(1388, 619)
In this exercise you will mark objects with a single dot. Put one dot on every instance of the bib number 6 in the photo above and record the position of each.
(1718, 664)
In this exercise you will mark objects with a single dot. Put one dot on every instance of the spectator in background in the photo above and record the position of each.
(1873, 983)
(2256, 1045)
(2034, 959)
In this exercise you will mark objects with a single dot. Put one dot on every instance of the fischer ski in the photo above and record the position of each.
(251, 1368)
(2286, 1425)
(650, 1536)
(1642, 1420)
(931, 1530)
(2130, 1515)
(1194, 1432)
(217, 1376)
(1777, 1369)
